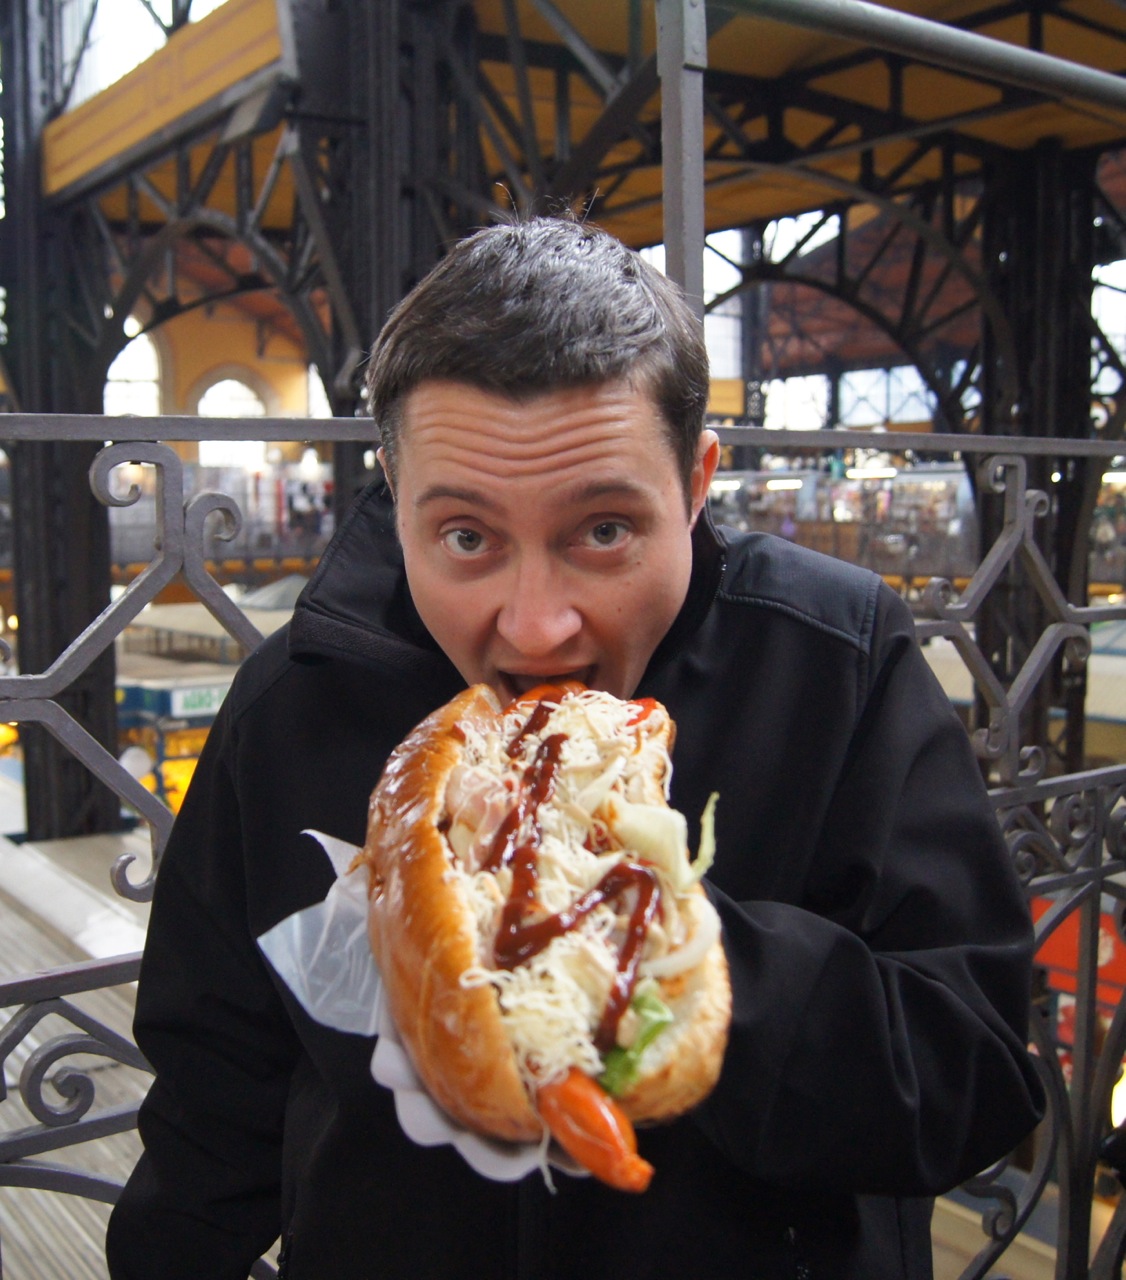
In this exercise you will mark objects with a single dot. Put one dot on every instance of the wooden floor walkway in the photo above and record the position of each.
(45, 1235)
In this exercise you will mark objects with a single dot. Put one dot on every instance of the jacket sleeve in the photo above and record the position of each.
(878, 1041)
(203, 1199)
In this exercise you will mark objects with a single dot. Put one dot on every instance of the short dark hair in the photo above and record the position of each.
(529, 307)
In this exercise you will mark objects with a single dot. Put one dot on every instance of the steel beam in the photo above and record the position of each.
(682, 58)
(940, 45)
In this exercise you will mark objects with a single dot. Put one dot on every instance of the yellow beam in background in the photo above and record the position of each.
(726, 398)
(207, 64)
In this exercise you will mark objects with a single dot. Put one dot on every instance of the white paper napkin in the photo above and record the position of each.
(323, 955)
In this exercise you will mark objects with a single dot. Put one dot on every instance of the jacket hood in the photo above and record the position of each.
(358, 606)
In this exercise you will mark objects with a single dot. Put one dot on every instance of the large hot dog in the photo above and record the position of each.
(548, 953)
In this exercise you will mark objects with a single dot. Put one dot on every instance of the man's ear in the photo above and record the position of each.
(386, 473)
(707, 459)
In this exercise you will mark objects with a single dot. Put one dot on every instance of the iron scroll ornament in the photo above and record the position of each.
(179, 538)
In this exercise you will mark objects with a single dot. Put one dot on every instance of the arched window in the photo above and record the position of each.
(316, 396)
(1108, 306)
(232, 398)
(133, 382)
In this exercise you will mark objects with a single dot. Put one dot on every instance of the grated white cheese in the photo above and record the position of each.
(551, 1005)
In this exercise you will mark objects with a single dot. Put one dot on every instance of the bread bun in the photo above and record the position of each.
(424, 938)
(483, 1036)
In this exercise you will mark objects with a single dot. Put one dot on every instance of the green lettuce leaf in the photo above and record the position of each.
(622, 1065)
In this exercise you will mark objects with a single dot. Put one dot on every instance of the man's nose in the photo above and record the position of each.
(536, 617)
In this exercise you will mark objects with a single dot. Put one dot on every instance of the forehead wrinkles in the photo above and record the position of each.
(496, 458)
(520, 449)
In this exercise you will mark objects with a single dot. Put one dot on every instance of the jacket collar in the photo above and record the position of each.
(357, 604)
(708, 566)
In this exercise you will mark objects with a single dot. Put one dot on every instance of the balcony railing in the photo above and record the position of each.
(1065, 831)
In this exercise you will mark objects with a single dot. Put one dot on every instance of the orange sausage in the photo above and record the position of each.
(548, 693)
(590, 1126)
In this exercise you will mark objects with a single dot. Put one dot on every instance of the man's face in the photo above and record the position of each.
(548, 538)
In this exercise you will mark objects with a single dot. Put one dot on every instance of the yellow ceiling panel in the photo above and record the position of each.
(804, 127)
(1012, 30)
(766, 49)
(758, 47)
(1078, 127)
(932, 94)
(541, 84)
(199, 65)
(772, 194)
(1081, 44)
(868, 84)
(1097, 11)
(604, 24)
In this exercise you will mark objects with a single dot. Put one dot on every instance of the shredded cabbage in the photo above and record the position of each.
(706, 855)
(660, 836)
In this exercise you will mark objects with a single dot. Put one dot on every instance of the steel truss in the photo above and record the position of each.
(927, 235)
(174, 250)
(268, 203)
(174, 246)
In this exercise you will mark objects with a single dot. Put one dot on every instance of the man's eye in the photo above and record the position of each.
(464, 542)
(607, 533)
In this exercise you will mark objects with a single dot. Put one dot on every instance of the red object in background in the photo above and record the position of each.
(1059, 955)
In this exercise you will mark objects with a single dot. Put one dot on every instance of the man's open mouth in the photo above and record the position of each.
(515, 684)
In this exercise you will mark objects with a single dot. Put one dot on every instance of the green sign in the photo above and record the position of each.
(202, 700)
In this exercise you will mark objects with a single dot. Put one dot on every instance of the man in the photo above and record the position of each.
(540, 398)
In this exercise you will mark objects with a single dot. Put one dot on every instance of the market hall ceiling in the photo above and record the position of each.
(564, 101)
(796, 119)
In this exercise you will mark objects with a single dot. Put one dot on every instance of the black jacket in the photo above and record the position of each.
(878, 941)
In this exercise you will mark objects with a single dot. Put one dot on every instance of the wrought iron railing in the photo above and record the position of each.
(1065, 831)
(62, 1099)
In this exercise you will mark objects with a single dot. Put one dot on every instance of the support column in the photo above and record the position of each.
(754, 322)
(1038, 255)
(375, 193)
(62, 569)
(682, 58)
(386, 232)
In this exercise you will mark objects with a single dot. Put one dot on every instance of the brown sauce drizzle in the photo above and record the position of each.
(517, 942)
(538, 786)
(534, 723)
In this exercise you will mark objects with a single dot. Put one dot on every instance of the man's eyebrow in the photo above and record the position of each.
(619, 487)
(455, 493)
(587, 491)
